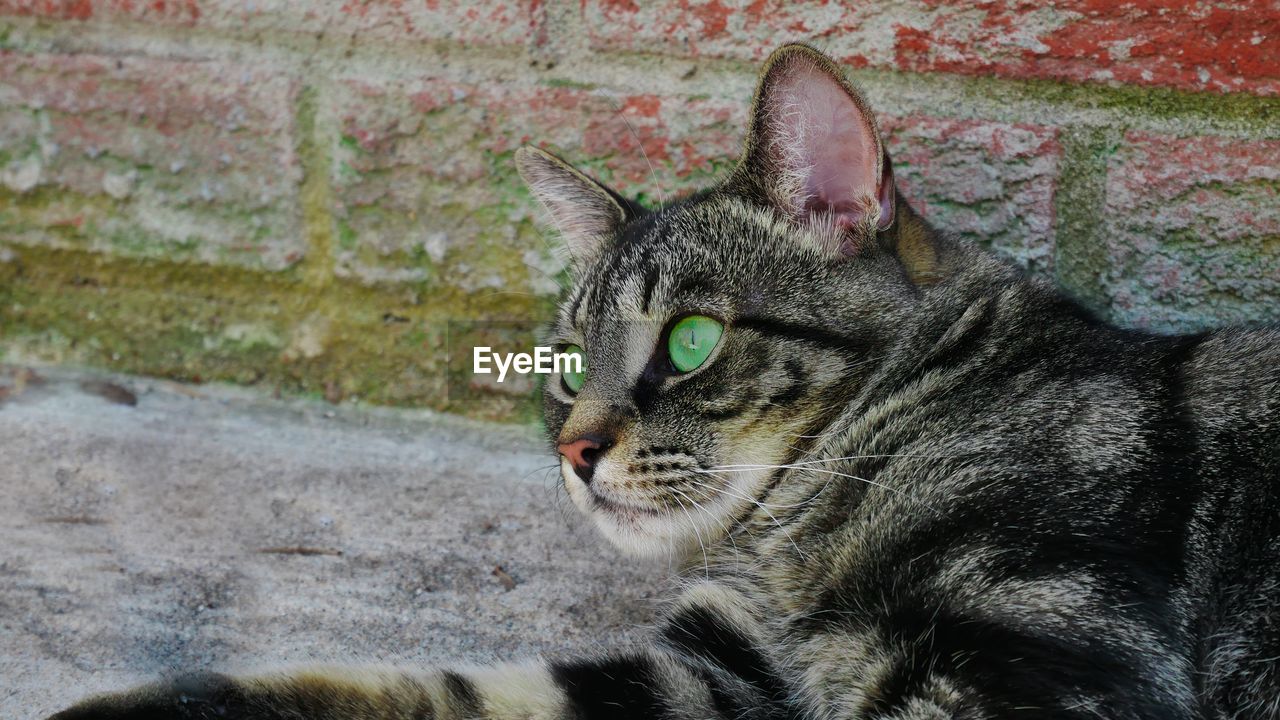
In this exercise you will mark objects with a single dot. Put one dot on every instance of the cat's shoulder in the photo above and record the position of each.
(1238, 365)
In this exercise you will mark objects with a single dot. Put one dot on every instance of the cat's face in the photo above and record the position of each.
(721, 333)
(710, 361)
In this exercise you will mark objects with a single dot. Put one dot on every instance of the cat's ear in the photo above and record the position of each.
(813, 148)
(585, 212)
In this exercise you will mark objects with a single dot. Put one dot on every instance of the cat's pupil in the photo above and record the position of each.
(692, 340)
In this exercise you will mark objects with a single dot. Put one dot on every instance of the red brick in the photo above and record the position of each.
(989, 182)
(426, 167)
(1218, 45)
(163, 11)
(182, 159)
(1193, 231)
(426, 171)
(489, 22)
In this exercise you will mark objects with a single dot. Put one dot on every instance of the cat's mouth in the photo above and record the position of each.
(636, 514)
(600, 502)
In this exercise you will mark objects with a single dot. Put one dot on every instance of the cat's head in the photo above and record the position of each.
(723, 332)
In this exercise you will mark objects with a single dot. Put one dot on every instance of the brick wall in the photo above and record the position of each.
(310, 195)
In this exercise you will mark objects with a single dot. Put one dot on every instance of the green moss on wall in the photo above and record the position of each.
(197, 323)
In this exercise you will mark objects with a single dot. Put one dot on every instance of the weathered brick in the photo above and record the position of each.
(989, 182)
(1193, 231)
(180, 11)
(490, 22)
(1219, 45)
(425, 183)
(184, 160)
(423, 172)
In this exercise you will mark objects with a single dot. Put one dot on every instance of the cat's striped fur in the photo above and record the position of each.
(910, 482)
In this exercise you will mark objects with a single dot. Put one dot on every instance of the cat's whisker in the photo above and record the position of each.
(706, 564)
(555, 278)
(541, 468)
(874, 457)
(496, 293)
(760, 505)
(657, 186)
(560, 496)
(724, 491)
(728, 533)
(750, 468)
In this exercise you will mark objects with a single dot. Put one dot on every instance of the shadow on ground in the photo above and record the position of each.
(148, 528)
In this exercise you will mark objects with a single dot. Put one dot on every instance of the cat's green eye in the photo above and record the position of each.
(692, 340)
(574, 373)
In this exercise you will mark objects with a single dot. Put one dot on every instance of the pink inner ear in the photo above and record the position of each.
(826, 145)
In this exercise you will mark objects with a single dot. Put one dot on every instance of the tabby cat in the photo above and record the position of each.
(907, 481)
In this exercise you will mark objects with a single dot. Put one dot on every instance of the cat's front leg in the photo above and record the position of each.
(646, 684)
(707, 662)
(314, 694)
(333, 694)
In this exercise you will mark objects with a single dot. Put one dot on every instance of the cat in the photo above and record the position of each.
(905, 480)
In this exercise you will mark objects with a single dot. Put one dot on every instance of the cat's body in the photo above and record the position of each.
(1063, 516)
(908, 481)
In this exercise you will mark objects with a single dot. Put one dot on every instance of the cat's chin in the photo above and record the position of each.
(643, 532)
(665, 538)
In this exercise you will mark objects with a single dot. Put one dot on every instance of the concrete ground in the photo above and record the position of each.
(207, 527)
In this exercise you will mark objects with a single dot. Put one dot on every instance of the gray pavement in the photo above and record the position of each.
(212, 528)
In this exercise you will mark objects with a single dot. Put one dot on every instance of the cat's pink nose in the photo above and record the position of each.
(584, 453)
